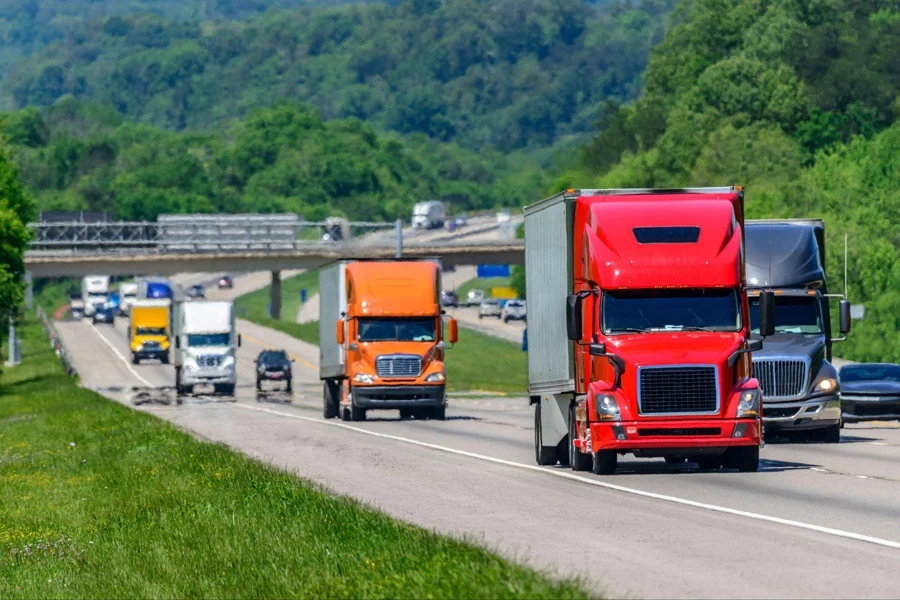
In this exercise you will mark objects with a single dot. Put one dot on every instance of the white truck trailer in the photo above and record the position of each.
(206, 343)
(94, 291)
(127, 296)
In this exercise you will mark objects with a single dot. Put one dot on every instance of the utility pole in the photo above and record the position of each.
(398, 228)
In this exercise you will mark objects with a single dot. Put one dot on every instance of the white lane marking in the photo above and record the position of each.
(119, 354)
(863, 477)
(879, 444)
(611, 486)
(818, 470)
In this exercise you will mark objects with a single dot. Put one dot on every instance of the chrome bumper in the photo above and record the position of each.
(815, 413)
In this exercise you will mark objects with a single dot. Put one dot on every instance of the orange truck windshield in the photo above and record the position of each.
(397, 330)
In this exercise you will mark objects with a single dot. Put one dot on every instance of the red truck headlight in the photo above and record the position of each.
(606, 407)
(748, 406)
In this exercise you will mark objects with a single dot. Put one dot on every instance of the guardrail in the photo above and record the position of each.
(56, 342)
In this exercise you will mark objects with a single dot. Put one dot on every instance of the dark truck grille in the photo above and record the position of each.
(209, 360)
(780, 378)
(398, 366)
(151, 345)
(677, 390)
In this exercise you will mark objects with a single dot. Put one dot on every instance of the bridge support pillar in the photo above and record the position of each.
(275, 301)
(29, 290)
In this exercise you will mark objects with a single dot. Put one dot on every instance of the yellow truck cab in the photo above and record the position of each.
(148, 331)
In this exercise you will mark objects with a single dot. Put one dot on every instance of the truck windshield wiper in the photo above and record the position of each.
(696, 328)
(627, 330)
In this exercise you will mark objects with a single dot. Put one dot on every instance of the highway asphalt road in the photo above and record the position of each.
(817, 520)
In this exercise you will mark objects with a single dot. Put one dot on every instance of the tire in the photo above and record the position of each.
(258, 384)
(480, 316)
(545, 455)
(179, 389)
(506, 321)
(357, 414)
(406, 413)
(164, 359)
(289, 388)
(709, 463)
(675, 460)
(439, 413)
(743, 458)
(135, 360)
(579, 461)
(604, 462)
(832, 434)
(331, 409)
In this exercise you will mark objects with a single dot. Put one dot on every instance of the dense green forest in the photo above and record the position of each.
(76, 156)
(504, 74)
(798, 101)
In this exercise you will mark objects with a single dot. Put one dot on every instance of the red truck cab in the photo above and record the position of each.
(640, 330)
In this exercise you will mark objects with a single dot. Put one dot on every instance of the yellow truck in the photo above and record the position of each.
(148, 331)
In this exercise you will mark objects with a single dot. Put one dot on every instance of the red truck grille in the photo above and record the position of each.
(678, 390)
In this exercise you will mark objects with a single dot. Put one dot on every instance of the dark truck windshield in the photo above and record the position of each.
(151, 331)
(208, 339)
(793, 314)
(670, 310)
(870, 373)
(396, 330)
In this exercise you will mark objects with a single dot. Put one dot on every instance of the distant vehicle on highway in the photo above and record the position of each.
(336, 228)
(870, 391)
(196, 291)
(474, 297)
(504, 216)
(489, 307)
(128, 294)
(274, 365)
(456, 223)
(76, 305)
(513, 310)
(449, 298)
(226, 282)
(429, 215)
(104, 313)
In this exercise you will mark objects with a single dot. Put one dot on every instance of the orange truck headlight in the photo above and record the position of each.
(435, 378)
(364, 378)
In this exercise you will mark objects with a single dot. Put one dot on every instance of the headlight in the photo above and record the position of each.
(607, 409)
(435, 378)
(364, 378)
(749, 404)
(827, 385)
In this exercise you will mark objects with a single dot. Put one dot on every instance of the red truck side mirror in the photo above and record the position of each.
(453, 331)
(339, 331)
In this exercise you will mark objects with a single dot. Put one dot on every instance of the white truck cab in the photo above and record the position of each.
(206, 343)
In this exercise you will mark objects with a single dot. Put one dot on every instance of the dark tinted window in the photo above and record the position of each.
(402, 330)
(208, 339)
(667, 235)
(871, 373)
(275, 356)
(793, 314)
(670, 310)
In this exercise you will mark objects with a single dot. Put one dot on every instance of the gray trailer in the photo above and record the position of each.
(332, 306)
(801, 391)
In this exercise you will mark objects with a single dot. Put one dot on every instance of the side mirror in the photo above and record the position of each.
(597, 349)
(573, 317)
(755, 345)
(339, 331)
(844, 309)
(453, 331)
(766, 313)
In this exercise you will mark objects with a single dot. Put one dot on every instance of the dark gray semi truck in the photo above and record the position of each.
(801, 391)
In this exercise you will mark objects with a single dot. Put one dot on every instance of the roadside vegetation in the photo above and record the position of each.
(102, 501)
(255, 306)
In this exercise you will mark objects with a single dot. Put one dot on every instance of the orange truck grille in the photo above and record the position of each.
(398, 366)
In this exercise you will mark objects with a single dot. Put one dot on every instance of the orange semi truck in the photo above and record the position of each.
(381, 338)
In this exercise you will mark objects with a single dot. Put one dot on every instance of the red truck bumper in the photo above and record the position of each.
(661, 437)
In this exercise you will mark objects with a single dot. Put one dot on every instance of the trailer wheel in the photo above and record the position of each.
(331, 408)
(604, 462)
(545, 455)
(579, 461)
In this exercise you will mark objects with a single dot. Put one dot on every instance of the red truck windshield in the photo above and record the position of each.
(642, 311)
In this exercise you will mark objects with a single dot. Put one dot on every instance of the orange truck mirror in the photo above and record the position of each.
(340, 331)
(453, 331)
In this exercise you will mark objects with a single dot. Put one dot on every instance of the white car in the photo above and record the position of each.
(474, 297)
(504, 216)
(514, 310)
(490, 307)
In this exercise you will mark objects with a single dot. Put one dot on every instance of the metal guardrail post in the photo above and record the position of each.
(398, 228)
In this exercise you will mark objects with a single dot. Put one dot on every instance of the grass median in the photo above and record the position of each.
(102, 501)
(255, 306)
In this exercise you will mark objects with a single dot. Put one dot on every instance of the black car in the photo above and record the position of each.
(196, 291)
(870, 391)
(274, 365)
(104, 313)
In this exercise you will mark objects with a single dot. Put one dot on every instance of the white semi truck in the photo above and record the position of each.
(94, 291)
(127, 296)
(206, 343)
(429, 215)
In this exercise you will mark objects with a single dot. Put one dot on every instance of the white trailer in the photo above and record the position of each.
(127, 296)
(94, 291)
(206, 342)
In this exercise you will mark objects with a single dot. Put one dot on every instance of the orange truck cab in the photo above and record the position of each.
(381, 338)
(639, 332)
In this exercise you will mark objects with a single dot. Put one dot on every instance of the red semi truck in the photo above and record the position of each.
(639, 336)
